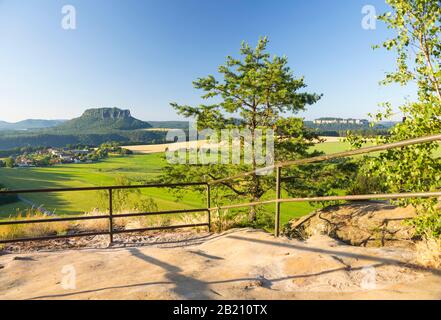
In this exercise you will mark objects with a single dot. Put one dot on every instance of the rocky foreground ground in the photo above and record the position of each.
(239, 264)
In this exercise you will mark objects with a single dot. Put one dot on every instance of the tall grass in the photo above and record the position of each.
(8, 232)
(429, 252)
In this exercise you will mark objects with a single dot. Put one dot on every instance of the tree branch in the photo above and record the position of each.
(226, 184)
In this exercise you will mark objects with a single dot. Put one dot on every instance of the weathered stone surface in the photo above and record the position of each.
(241, 264)
(370, 224)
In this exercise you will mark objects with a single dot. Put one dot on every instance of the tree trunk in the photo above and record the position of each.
(252, 216)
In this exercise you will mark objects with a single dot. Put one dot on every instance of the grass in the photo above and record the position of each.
(135, 167)
(334, 147)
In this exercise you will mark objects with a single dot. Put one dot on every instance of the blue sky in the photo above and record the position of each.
(142, 55)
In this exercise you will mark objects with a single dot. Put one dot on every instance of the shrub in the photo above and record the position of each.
(35, 229)
(7, 198)
(9, 162)
(367, 184)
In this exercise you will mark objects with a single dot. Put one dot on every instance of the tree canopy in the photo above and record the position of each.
(254, 91)
(417, 44)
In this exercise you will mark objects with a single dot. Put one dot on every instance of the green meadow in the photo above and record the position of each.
(139, 168)
(104, 173)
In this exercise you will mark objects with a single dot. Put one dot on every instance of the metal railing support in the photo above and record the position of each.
(110, 215)
(278, 194)
(208, 206)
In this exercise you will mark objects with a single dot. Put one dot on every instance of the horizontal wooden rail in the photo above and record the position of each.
(336, 198)
(333, 156)
(163, 228)
(143, 186)
(367, 197)
(141, 214)
(79, 218)
(61, 219)
(57, 237)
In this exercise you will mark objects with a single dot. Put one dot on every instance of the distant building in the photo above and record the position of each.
(80, 152)
(23, 163)
(55, 152)
(66, 157)
(341, 121)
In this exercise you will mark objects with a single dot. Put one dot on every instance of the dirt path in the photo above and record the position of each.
(159, 148)
(35, 206)
(242, 264)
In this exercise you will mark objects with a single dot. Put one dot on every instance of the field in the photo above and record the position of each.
(138, 167)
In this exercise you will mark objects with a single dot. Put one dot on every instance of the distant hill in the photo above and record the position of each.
(169, 124)
(389, 124)
(340, 129)
(93, 127)
(30, 124)
(4, 124)
(103, 119)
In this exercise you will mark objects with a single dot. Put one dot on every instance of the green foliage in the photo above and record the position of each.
(127, 199)
(9, 162)
(61, 138)
(341, 129)
(417, 24)
(257, 87)
(366, 184)
(169, 124)
(113, 147)
(428, 222)
(7, 198)
(261, 90)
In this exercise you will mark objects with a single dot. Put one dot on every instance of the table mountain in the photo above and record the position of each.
(104, 119)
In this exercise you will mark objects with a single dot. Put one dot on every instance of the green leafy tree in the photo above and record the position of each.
(7, 198)
(130, 199)
(417, 43)
(9, 162)
(256, 91)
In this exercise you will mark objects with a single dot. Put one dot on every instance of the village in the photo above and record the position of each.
(42, 157)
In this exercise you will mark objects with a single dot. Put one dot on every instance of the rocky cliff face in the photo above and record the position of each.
(107, 113)
(104, 120)
(369, 223)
